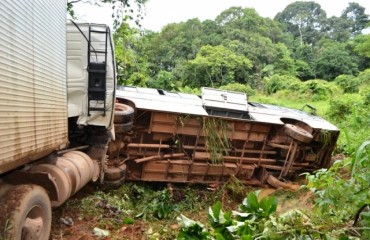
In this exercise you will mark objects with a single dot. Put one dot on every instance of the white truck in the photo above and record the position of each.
(56, 111)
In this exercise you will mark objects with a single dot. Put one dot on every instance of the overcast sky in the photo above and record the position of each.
(161, 12)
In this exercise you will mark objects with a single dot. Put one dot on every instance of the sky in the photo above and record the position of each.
(162, 12)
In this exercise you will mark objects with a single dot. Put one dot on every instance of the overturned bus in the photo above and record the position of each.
(176, 137)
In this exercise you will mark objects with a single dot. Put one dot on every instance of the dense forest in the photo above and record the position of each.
(302, 56)
(240, 46)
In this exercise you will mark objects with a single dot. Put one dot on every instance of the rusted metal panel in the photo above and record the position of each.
(33, 119)
(187, 171)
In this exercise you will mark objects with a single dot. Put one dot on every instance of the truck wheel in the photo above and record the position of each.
(123, 113)
(28, 213)
(115, 173)
(297, 133)
(123, 127)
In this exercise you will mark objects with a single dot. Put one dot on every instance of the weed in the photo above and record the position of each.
(215, 133)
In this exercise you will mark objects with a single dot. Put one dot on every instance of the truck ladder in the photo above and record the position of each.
(97, 68)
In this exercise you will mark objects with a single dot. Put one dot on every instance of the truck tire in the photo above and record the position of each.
(123, 127)
(297, 133)
(123, 113)
(28, 213)
(115, 173)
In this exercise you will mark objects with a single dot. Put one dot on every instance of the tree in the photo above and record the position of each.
(304, 20)
(260, 50)
(338, 29)
(130, 55)
(175, 44)
(248, 20)
(163, 80)
(334, 59)
(284, 63)
(214, 66)
(363, 47)
(211, 33)
(122, 10)
(356, 16)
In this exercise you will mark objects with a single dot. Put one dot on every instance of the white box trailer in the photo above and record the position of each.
(33, 96)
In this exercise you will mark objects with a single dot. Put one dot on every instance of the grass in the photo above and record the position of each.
(294, 102)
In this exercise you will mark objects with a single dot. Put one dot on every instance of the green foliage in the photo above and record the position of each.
(163, 80)
(304, 54)
(338, 28)
(158, 204)
(365, 93)
(284, 63)
(238, 87)
(122, 10)
(246, 223)
(343, 106)
(341, 195)
(256, 220)
(137, 79)
(351, 114)
(318, 89)
(189, 90)
(220, 221)
(303, 20)
(191, 230)
(214, 66)
(342, 190)
(357, 17)
(240, 46)
(348, 83)
(364, 77)
(119, 204)
(279, 82)
(333, 59)
(132, 66)
(363, 47)
(257, 209)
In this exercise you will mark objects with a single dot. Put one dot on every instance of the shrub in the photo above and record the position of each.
(279, 82)
(364, 77)
(319, 89)
(136, 79)
(352, 177)
(238, 87)
(348, 83)
(163, 80)
(352, 116)
(342, 106)
(365, 93)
